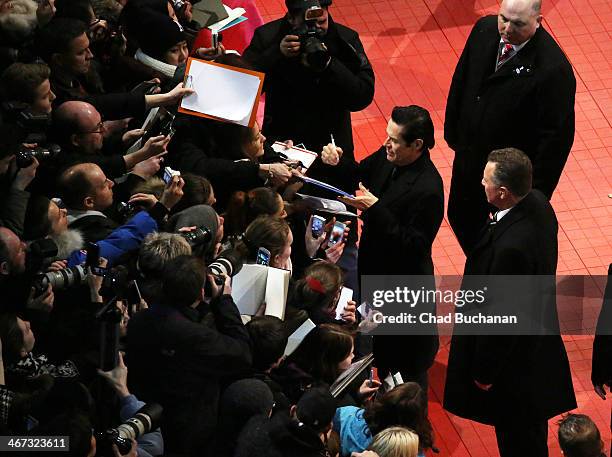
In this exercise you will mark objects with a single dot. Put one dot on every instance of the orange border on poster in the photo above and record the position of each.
(260, 75)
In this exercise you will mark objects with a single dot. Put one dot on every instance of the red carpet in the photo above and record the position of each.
(414, 46)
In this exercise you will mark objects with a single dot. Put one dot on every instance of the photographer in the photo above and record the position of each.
(13, 180)
(45, 218)
(157, 249)
(87, 192)
(149, 444)
(316, 74)
(178, 361)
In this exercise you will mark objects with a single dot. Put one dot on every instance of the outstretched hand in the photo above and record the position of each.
(362, 202)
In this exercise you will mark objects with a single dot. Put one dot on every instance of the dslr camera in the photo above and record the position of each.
(26, 156)
(314, 52)
(197, 237)
(146, 419)
(35, 126)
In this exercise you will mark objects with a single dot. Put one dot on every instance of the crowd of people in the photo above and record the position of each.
(118, 243)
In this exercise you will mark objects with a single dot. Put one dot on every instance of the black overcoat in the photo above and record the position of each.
(527, 104)
(397, 236)
(530, 373)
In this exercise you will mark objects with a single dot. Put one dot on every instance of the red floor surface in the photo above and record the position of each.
(414, 46)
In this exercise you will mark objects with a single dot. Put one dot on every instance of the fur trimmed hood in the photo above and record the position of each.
(20, 22)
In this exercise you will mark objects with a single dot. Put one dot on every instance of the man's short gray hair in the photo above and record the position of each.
(157, 249)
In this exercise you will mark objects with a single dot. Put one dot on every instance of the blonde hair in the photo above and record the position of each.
(396, 442)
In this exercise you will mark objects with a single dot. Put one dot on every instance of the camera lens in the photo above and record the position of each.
(198, 236)
(61, 279)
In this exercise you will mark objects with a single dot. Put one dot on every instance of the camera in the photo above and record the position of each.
(25, 157)
(197, 237)
(229, 263)
(161, 124)
(313, 50)
(35, 126)
(60, 279)
(39, 253)
(178, 5)
(125, 209)
(146, 419)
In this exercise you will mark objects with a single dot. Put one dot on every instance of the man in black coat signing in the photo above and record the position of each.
(512, 87)
(402, 206)
(518, 379)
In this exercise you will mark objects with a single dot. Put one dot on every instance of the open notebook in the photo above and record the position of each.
(257, 284)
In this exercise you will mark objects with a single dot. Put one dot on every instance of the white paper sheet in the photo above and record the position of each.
(221, 92)
(232, 15)
(298, 336)
(249, 288)
(346, 295)
(277, 286)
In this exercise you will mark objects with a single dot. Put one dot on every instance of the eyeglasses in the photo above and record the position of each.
(99, 129)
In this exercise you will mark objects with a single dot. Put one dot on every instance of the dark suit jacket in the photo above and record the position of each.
(527, 104)
(177, 361)
(396, 239)
(530, 373)
(399, 230)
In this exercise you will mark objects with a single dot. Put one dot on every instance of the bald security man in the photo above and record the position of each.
(513, 87)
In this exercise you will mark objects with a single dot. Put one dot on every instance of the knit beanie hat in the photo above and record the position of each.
(246, 398)
(316, 408)
(157, 33)
(196, 216)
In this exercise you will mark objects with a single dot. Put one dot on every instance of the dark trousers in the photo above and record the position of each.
(520, 438)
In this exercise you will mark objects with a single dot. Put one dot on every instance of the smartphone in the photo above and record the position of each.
(169, 173)
(92, 256)
(337, 233)
(263, 257)
(317, 225)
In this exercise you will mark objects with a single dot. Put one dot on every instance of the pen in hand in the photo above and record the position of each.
(332, 140)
